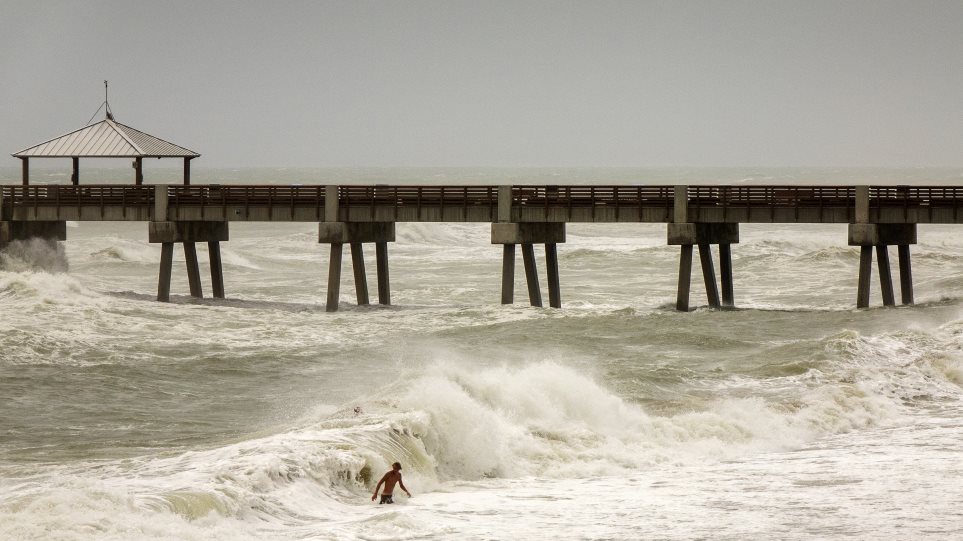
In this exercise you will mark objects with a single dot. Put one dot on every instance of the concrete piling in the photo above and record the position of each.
(193, 270)
(531, 274)
(709, 274)
(725, 270)
(360, 279)
(384, 287)
(905, 274)
(164, 278)
(334, 277)
(880, 236)
(554, 286)
(528, 234)
(188, 233)
(685, 278)
(885, 275)
(355, 234)
(865, 274)
(508, 274)
(704, 235)
(217, 270)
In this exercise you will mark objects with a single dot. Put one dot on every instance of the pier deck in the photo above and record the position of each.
(591, 204)
(696, 216)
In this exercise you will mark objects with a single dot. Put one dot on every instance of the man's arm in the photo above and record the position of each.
(378, 488)
(401, 483)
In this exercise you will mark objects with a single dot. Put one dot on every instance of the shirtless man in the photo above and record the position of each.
(389, 480)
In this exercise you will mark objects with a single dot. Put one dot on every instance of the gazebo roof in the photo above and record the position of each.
(106, 139)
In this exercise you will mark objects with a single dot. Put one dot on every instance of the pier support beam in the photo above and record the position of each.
(217, 270)
(508, 274)
(685, 278)
(725, 269)
(704, 235)
(337, 234)
(882, 236)
(360, 280)
(531, 275)
(384, 287)
(527, 234)
(905, 274)
(187, 233)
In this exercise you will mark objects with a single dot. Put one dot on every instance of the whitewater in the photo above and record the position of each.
(262, 416)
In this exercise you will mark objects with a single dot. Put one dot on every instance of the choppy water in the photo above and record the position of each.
(795, 416)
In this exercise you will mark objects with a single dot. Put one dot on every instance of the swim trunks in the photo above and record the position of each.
(385, 498)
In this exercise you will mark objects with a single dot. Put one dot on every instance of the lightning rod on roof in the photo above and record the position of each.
(110, 115)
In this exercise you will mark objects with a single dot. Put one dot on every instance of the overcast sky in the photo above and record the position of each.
(303, 84)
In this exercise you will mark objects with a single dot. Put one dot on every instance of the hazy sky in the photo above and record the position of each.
(727, 83)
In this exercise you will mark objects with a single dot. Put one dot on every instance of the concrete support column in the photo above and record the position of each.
(865, 273)
(334, 277)
(217, 270)
(531, 274)
(337, 234)
(554, 287)
(905, 274)
(508, 274)
(384, 287)
(885, 275)
(167, 233)
(685, 278)
(360, 279)
(880, 236)
(709, 274)
(164, 277)
(725, 269)
(193, 270)
(528, 234)
(689, 234)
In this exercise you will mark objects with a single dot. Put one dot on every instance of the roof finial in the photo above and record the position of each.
(110, 116)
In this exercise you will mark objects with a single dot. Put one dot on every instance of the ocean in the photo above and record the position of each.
(262, 416)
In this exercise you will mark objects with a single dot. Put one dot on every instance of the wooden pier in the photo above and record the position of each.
(696, 216)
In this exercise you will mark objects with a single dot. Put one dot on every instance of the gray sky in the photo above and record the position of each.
(303, 84)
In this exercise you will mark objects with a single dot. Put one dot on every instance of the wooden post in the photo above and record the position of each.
(865, 272)
(187, 171)
(685, 278)
(554, 288)
(885, 275)
(138, 171)
(164, 278)
(25, 171)
(75, 177)
(384, 289)
(334, 277)
(709, 274)
(508, 274)
(217, 271)
(725, 269)
(193, 270)
(905, 274)
(531, 274)
(360, 280)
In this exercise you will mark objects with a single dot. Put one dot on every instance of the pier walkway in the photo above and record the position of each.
(878, 217)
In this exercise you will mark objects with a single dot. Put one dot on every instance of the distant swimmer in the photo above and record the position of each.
(389, 480)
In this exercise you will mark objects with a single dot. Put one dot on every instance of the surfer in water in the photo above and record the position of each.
(389, 480)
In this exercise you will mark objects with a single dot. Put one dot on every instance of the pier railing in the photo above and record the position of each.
(479, 203)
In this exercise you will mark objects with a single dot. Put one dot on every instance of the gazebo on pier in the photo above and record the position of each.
(106, 139)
